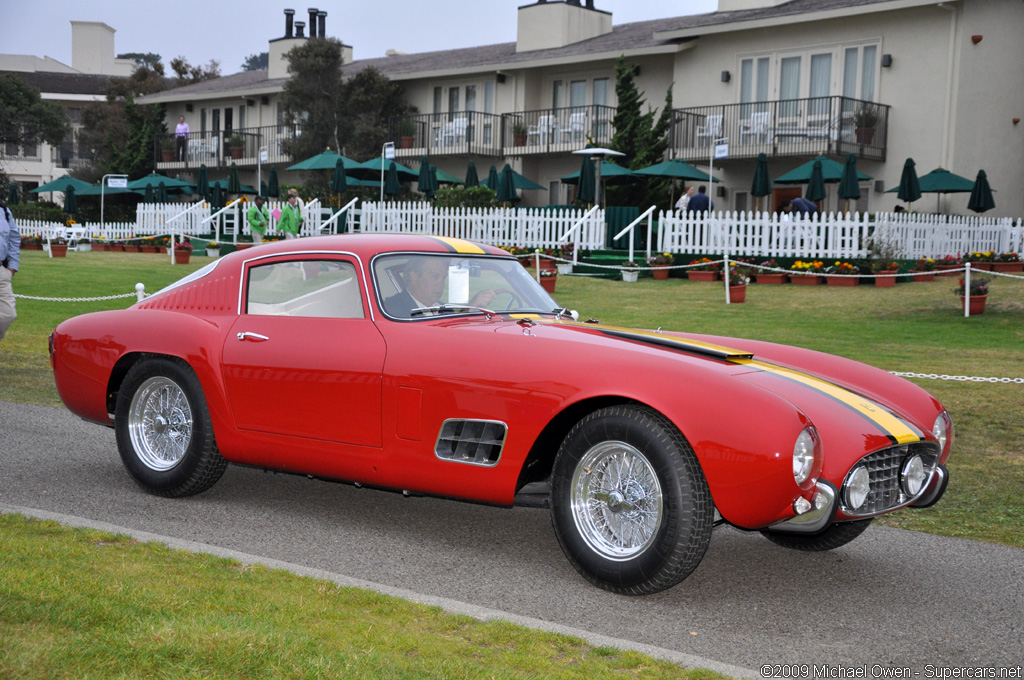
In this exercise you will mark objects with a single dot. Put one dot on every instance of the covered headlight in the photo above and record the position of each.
(806, 455)
(913, 476)
(858, 486)
(941, 429)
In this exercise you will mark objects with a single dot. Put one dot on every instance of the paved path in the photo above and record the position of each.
(891, 598)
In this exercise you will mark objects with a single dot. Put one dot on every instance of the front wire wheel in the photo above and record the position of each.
(629, 502)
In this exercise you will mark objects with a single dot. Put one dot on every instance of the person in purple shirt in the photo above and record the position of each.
(181, 132)
(10, 254)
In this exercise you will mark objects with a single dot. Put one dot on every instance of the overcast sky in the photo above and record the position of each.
(230, 31)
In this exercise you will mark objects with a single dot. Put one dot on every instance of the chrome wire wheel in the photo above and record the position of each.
(616, 500)
(160, 423)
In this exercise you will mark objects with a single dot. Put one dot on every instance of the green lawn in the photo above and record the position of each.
(78, 604)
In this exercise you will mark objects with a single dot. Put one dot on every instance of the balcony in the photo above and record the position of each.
(525, 133)
(222, 148)
(833, 126)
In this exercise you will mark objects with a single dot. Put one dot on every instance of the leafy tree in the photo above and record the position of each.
(642, 138)
(188, 74)
(256, 62)
(348, 116)
(25, 116)
(147, 59)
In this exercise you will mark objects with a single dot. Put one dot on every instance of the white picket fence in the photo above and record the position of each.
(835, 235)
(832, 235)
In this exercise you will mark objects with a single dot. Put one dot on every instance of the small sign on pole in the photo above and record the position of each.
(721, 150)
(117, 182)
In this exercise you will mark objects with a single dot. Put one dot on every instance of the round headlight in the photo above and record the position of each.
(913, 476)
(804, 452)
(941, 429)
(858, 486)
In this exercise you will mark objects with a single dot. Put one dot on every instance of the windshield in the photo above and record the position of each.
(419, 285)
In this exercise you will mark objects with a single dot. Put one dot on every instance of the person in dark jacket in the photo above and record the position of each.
(700, 202)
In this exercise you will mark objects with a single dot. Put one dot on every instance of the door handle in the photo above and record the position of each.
(255, 337)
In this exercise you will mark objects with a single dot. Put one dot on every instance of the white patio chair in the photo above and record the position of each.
(454, 131)
(577, 126)
(542, 132)
(711, 129)
(759, 127)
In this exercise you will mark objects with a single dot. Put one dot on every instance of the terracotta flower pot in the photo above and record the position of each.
(804, 279)
(976, 305)
(548, 283)
(885, 279)
(702, 276)
(660, 272)
(841, 281)
(772, 279)
(150, 249)
(947, 269)
(984, 266)
(1008, 266)
(58, 250)
(182, 255)
(924, 276)
(738, 293)
(31, 246)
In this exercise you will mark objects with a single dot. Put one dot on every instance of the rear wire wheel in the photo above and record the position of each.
(629, 502)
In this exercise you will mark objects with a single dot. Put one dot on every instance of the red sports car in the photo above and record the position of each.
(437, 366)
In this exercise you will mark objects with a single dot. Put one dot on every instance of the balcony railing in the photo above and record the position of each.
(438, 134)
(557, 130)
(224, 147)
(793, 127)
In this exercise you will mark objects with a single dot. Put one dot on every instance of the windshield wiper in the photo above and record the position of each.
(450, 309)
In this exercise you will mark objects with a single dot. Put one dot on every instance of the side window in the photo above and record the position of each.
(312, 288)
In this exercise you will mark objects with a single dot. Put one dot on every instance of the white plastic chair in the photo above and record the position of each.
(454, 131)
(759, 127)
(712, 128)
(577, 125)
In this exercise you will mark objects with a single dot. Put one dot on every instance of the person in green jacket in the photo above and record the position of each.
(259, 219)
(291, 217)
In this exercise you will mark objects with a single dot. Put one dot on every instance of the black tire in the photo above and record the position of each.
(635, 533)
(163, 428)
(834, 536)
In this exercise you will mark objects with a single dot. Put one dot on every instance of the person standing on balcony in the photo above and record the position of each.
(684, 200)
(259, 218)
(290, 221)
(700, 203)
(181, 132)
(10, 254)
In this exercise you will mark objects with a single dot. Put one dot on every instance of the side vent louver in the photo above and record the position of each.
(477, 442)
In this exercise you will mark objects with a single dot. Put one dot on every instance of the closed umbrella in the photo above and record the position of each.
(507, 185)
(762, 184)
(849, 188)
(471, 179)
(70, 201)
(981, 195)
(12, 194)
(161, 193)
(340, 183)
(585, 181)
(391, 184)
(816, 184)
(492, 179)
(425, 179)
(433, 181)
(909, 189)
(203, 182)
(217, 201)
(264, 191)
(234, 182)
(149, 196)
(273, 188)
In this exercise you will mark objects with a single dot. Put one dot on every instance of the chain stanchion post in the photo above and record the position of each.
(967, 289)
(140, 291)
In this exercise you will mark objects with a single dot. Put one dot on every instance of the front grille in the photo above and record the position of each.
(884, 471)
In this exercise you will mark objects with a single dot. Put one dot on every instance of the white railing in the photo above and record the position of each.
(834, 235)
(526, 227)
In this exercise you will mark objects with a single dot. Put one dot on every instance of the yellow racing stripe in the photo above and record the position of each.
(876, 413)
(461, 246)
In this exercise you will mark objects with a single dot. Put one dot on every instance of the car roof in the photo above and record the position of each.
(368, 245)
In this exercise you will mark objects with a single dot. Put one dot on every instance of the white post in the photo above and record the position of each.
(536, 263)
(967, 289)
(386, 151)
(140, 292)
(728, 296)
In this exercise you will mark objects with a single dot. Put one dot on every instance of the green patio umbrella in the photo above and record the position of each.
(981, 195)
(149, 196)
(492, 179)
(273, 188)
(70, 201)
(263, 189)
(371, 169)
(674, 168)
(326, 160)
(61, 184)
(909, 189)
(816, 184)
(97, 190)
(507, 185)
(234, 182)
(585, 180)
(203, 181)
(224, 182)
(762, 184)
(523, 182)
(171, 184)
(940, 181)
(471, 179)
(433, 180)
(831, 172)
(161, 193)
(340, 183)
(391, 183)
(12, 194)
(848, 185)
(443, 177)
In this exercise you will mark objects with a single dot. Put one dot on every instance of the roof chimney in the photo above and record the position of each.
(289, 15)
(312, 22)
(322, 21)
(300, 27)
(544, 25)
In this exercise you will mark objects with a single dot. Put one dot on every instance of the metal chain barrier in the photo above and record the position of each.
(140, 294)
(958, 378)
